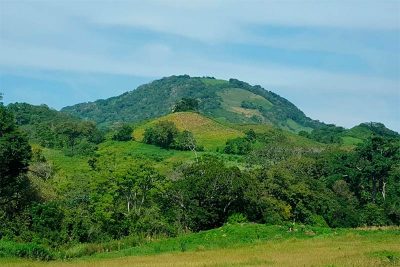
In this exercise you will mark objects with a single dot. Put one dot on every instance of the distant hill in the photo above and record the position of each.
(231, 101)
(334, 134)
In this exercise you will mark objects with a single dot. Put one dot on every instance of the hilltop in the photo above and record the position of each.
(230, 101)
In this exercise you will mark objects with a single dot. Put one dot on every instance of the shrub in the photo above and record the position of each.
(162, 134)
(236, 218)
(239, 146)
(24, 250)
(124, 133)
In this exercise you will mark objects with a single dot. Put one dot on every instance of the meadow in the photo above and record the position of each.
(251, 245)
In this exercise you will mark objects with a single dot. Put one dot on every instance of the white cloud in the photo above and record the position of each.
(59, 36)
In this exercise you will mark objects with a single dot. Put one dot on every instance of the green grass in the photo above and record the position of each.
(126, 152)
(232, 99)
(295, 127)
(66, 165)
(253, 244)
(351, 141)
(208, 133)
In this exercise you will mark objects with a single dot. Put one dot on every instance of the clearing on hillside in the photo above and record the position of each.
(208, 133)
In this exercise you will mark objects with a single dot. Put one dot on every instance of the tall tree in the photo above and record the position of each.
(15, 153)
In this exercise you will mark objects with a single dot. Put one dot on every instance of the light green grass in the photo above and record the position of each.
(232, 99)
(253, 245)
(66, 164)
(124, 153)
(351, 141)
(207, 132)
(295, 127)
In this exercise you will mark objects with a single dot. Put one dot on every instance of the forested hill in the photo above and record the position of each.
(232, 101)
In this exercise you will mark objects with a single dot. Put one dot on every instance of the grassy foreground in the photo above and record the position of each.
(252, 245)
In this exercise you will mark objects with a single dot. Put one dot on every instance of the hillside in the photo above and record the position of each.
(54, 129)
(231, 101)
(207, 132)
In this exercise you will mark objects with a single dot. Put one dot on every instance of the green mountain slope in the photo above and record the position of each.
(55, 129)
(231, 101)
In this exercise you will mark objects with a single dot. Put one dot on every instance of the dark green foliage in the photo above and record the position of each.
(187, 104)
(162, 134)
(159, 97)
(165, 134)
(238, 146)
(46, 222)
(241, 145)
(185, 141)
(25, 250)
(54, 129)
(123, 133)
(207, 193)
(15, 153)
(251, 135)
(331, 134)
(368, 129)
(372, 175)
(250, 105)
(328, 134)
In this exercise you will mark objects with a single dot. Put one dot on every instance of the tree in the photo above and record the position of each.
(239, 146)
(186, 104)
(124, 133)
(136, 186)
(207, 193)
(162, 134)
(15, 153)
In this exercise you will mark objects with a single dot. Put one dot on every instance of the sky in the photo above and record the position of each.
(338, 61)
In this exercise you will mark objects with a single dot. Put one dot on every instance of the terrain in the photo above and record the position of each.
(200, 170)
(232, 101)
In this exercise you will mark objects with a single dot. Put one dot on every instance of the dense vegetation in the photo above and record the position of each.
(54, 129)
(331, 134)
(165, 134)
(65, 183)
(207, 95)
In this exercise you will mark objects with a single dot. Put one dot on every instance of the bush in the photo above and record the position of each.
(162, 134)
(24, 250)
(187, 104)
(236, 218)
(165, 134)
(238, 146)
(124, 133)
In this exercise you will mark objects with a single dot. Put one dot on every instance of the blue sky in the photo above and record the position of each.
(338, 61)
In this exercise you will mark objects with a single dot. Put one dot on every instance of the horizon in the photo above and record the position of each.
(338, 62)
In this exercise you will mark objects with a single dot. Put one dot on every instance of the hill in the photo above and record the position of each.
(231, 101)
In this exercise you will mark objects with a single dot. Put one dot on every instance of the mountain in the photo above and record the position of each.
(230, 101)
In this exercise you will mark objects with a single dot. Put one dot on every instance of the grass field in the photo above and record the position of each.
(208, 133)
(253, 245)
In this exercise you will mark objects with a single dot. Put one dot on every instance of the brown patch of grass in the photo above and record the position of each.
(207, 132)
